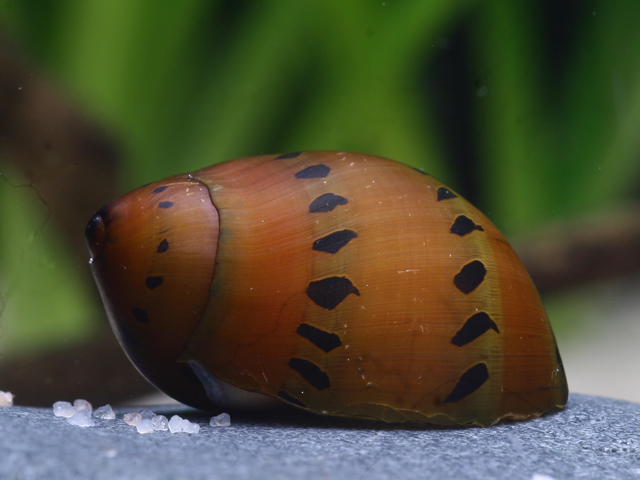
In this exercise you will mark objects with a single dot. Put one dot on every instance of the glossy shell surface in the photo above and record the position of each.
(342, 283)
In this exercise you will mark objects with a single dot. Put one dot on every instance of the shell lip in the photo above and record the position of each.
(153, 255)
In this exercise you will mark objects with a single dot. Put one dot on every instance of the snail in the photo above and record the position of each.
(344, 284)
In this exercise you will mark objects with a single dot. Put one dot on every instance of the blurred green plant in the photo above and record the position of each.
(43, 302)
(554, 106)
(557, 140)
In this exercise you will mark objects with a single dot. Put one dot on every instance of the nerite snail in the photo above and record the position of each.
(342, 283)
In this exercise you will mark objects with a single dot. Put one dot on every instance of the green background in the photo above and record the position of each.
(530, 109)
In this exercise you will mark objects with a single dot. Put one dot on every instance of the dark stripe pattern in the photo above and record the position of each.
(474, 327)
(444, 194)
(323, 340)
(163, 246)
(126, 336)
(326, 203)
(467, 280)
(153, 282)
(471, 275)
(310, 372)
(314, 171)
(288, 155)
(469, 382)
(334, 241)
(328, 293)
(464, 225)
(141, 315)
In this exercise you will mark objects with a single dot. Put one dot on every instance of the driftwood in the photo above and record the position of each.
(71, 164)
(584, 250)
(64, 155)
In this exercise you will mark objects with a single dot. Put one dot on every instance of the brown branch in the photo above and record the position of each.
(586, 250)
(71, 163)
(64, 155)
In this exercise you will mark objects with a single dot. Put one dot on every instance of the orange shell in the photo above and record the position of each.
(342, 283)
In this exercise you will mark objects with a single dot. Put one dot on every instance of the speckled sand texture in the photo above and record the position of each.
(593, 438)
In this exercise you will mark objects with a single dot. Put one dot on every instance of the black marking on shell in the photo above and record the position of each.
(288, 155)
(141, 315)
(469, 382)
(166, 204)
(153, 282)
(288, 398)
(444, 194)
(190, 375)
(310, 372)
(464, 225)
(100, 215)
(471, 275)
(324, 340)
(559, 358)
(420, 171)
(160, 189)
(329, 292)
(164, 246)
(126, 336)
(104, 212)
(314, 171)
(474, 327)
(326, 203)
(90, 231)
(334, 241)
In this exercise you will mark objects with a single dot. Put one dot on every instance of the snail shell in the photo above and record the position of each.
(341, 283)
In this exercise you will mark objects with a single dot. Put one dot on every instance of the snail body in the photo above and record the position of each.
(341, 283)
